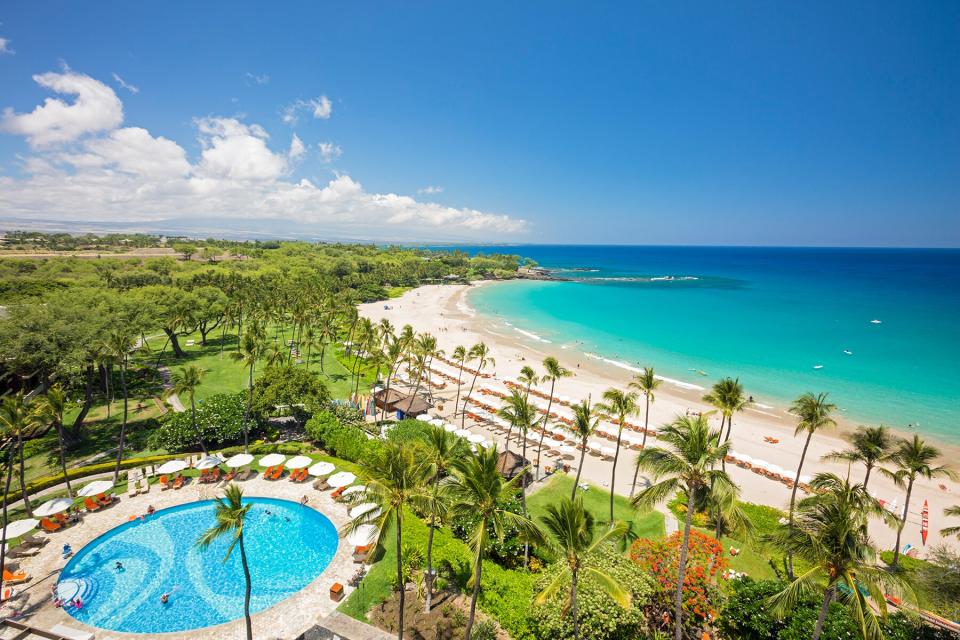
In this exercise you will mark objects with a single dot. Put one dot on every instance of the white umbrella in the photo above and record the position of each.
(450, 428)
(463, 433)
(341, 479)
(272, 460)
(239, 460)
(298, 462)
(321, 469)
(475, 438)
(424, 418)
(357, 488)
(362, 509)
(208, 463)
(172, 466)
(567, 450)
(19, 528)
(607, 451)
(564, 399)
(57, 505)
(362, 536)
(95, 488)
(437, 422)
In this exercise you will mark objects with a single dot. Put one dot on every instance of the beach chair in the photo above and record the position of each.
(230, 475)
(360, 554)
(105, 499)
(268, 472)
(144, 485)
(215, 475)
(164, 483)
(278, 473)
(204, 475)
(31, 540)
(178, 482)
(337, 493)
(15, 578)
(321, 484)
(8, 594)
(90, 505)
(61, 518)
(49, 526)
(131, 487)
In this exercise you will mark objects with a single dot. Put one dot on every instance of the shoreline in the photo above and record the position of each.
(444, 311)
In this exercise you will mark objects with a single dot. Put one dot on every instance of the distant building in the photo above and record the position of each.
(510, 464)
(402, 404)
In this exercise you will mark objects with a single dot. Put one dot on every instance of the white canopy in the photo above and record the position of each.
(362, 536)
(475, 438)
(437, 422)
(19, 528)
(424, 418)
(607, 451)
(567, 450)
(172, 466)
(272, 460)
(341, 479)
(463, 433)
(363, 509)
(209, 462)
(357, 488)
(57, 505)
(321, 469)
(450, 428)
(239, 460)
(95, 488)
(298, 462)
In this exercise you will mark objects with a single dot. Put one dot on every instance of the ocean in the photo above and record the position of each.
(879, 329)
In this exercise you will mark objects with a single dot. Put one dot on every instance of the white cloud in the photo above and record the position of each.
(321, 109)
(127, 175)
(260, 79)
(297, 148)
(329, 151)
(430, 189)
(5, 47)
(129, 87)
(96, 108)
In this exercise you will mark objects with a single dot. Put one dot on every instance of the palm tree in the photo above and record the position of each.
(14, 421)
(394, 353)
(528, 377)
(231, 515)
(477, 490)
(585, 424)
(326, 334)
(442, 449)
(49, 411)
(572, 537)
(480, 354)
(689, 465)
(554, 373)
(813, 413)
(248, 352)
(396, 479)
(951, 531)
(621, 404)
(520, 413)
(185, 382)
(830, 534)
(459, 356)
(727, 396)
(120, 343)
(645, 382)
(869, 445)
(914, 459)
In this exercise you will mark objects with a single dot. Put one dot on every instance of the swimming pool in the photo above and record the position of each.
(288, 546)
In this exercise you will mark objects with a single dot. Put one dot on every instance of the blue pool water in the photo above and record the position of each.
(785, 321)
(287, 545)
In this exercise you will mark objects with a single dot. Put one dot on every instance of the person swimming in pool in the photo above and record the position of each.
(118, 566)
(164, 598)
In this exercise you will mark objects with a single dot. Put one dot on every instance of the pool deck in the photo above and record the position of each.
(285, 620)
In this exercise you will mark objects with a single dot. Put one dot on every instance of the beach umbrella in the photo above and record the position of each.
(299, 462)
(357, 488)
(567, 450)
(19, 528)
(341, 479)
(436, 422)
(363, 509)
(239, 460)
(450, 428)
(95, 488)
(607, 452)
(57, 505)
(463, 433)
(362, 536)
(564, 399)
(475, 438)
(208, 463)
(321, 469)
(424, 418)
(272, 460)
(172, 466)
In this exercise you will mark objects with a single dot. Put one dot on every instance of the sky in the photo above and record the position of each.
(754, 123)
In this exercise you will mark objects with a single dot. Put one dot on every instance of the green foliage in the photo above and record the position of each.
(746, 615)
(935, 580)
(219, 420)
(300, 390)
(600, 617)
(509, 551)
(484, 630)
(342, 440)
(408, 432)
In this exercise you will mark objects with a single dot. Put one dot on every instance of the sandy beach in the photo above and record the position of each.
(443, 311)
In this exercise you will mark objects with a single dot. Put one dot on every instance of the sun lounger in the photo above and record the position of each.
(178, 482)
(15, 578)
(278, 472)
(337, 492)
(144, 485)
(105, 499)
(23, 552)
(215, 475)
(61, 518)
(204, 475)
(164, 483)
(31, 540)
(71, 633)
(8, 593)
(230, 475)
(360, 554)
(321, 484)
(91, 505)
(50, 526)
(131, 487)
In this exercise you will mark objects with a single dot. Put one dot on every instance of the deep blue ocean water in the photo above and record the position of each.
(784, 320)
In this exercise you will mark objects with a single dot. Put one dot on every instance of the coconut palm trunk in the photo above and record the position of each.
(793, 497)
(822, 617)
(576, 482)
(8, 468)
(543, 431)
(246, 588)
(473, 597)
(613, 473)
(400, 581)
(456, 403)
(23, 484)
(63, 459)
(573, 604)
(523, 498)
(246, 418)
(643, 445)
(902, 523)
(463, 418)
(433, 525)
(193, 420)
(681, 570)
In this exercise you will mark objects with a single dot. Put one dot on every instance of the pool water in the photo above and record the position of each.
(288, 546)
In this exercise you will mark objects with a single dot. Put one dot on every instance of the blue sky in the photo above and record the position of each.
(727, 123)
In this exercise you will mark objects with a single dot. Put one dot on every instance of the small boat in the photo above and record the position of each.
(848, 352)
(875, 321)
(818, 366)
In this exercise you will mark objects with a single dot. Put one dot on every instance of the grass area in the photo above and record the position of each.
(596, 500)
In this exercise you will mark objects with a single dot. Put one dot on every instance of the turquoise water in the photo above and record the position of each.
(769, 316)
(287, 545)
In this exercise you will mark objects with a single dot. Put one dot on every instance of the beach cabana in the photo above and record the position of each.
(401, 404)
(511, 464)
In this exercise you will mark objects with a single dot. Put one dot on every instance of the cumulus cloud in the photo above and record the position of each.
(129, 87)
(95, 108)
(321, 109)
(329, 151)
(430, 189)
(5, 47)
(86, 169)
(260, 79)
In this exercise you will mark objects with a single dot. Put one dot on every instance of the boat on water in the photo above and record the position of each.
(848, 352)
(818, 366)
(875, 321)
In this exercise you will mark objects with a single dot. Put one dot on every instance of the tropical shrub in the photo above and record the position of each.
(507, 552)
(342, 440)
(219, 420)
(599, 616)
(704, 571)
(408, 432)
(297, 388)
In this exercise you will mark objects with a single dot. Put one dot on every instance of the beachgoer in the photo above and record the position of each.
(151, 510)
(118, 566)
(164, 598)
(67, 551)
(78, 603)
(304, 500)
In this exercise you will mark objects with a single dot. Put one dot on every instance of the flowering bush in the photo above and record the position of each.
(705, 568)
(219, 420)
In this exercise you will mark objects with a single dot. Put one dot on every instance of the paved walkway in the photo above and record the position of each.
(338, 626)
